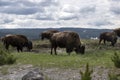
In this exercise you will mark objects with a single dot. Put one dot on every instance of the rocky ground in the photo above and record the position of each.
(99, 73)
(16, 73)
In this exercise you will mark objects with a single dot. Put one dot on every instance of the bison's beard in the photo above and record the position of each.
(80, 49)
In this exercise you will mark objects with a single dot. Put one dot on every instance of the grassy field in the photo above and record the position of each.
(98, 57)
(95, 55)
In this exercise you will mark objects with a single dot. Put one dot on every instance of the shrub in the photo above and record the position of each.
(114, 77)
(6, 58)
(116, 60)
(87, 74)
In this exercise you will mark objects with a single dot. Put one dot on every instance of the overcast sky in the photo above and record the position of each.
(60, 13)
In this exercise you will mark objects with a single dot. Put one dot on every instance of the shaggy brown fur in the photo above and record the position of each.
(67, 39)
(18, 41)
(47, 34)
(108, 36)
(117, 31)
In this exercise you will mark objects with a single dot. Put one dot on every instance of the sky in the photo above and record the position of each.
(100, 14)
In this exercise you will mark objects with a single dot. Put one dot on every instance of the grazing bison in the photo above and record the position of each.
(117, 31)
(29, 45)
(18, 41)
(47, 34)
(67, 39)
(108, 36)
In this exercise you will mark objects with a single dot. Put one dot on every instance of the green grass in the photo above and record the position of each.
(96, 58)
(95, 55)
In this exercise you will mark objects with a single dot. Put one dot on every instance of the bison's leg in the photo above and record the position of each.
(100, 41)
(68, 50)
(52, 46)
(55, 50)
(104, 41)
(19, 48)
(51, 49)
(113, 43)
(7, 46)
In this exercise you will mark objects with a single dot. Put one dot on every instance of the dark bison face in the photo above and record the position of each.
(42, 36)
(29, 45)
(80, 49)
(114, 41)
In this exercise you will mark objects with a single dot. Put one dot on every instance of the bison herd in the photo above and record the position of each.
(64, 39)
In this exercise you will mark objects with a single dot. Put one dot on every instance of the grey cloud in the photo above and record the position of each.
(49, 3)
(100, 23)
(18, 7)
(16, 3)
(27, 3)
(23, 7)
(19, 10)
(115, 0)
(68, 17)
(88, 9)
(8, 3)
(4, 3)
(8, 20)
(5, 20)
(115, 10)
(43, 16)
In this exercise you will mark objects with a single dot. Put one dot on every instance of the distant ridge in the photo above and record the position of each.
(33, 33)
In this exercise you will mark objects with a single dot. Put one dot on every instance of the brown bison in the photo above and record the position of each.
(47, 34)
(67, 39)
(18, 41)
(29, 45)
(117, 31)
(108, 36)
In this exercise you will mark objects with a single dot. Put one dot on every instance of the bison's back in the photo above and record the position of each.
(108, 36)
(47, 34)
(66, 38)
(13, 40)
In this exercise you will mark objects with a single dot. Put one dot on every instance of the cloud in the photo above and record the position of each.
(115, 10)
(88, 9)
(4, 3)
(68, 12)
(115, 0)
(46, 13)
(6, 19)
(19, 7)
(19, 10)
(49, 3)
(100, 23)
(67, 16)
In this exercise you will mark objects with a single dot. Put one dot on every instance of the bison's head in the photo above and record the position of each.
(42, 36)
(29, 45)
(114, 40)
(46, 35)
(80, 49)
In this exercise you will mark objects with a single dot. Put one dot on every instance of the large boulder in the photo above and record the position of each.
(33, 75)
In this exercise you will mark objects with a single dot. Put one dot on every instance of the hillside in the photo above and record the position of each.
(32, 34)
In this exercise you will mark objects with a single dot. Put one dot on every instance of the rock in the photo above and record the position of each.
(33, 75)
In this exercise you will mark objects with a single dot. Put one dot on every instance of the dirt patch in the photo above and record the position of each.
(99, 73)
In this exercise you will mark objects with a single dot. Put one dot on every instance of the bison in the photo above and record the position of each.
(18, 41)
(108, 36)
(67, 39)
(29, 45)
(117, 31)
(47, 34)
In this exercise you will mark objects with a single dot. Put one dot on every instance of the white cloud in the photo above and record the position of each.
(59, 13)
